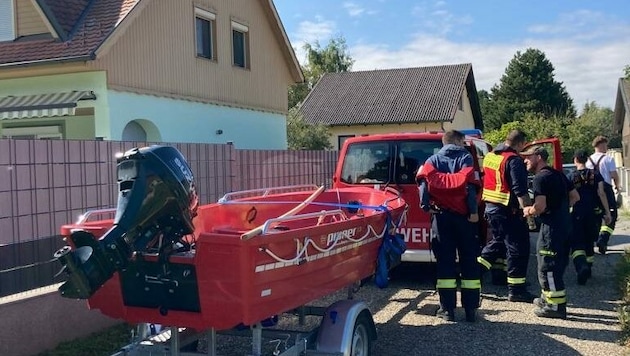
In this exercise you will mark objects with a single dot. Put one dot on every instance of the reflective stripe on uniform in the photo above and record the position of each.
(471, 284)
(578, 253)
(493, 196)
(446, 284)
(590, 259)
(482, 261)
(607, 229)
(516, 280)
(546, 253)
(555, 297)
(500, 264)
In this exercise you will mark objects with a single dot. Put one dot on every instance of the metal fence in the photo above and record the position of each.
(47, 183)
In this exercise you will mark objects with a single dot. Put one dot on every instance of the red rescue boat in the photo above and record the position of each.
(249, 257)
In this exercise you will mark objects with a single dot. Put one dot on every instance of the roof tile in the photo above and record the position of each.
(91, 30)
(404, 95)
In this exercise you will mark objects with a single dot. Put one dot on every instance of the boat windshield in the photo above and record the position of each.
(378, 162)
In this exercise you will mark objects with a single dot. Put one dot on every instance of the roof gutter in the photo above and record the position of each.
(88, 57)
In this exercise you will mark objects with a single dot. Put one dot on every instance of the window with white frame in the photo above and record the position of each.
(205, 30)
(240, 45)
(7, 25)
(34, 132)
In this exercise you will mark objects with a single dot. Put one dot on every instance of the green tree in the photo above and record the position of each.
(303, 136)
(573, 133)
(527, 87)
(626, 72)
(333, 58)
(597, 120)
(497, 136)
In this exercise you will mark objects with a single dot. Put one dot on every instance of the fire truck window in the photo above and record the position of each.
(366, 163)
(373, 163)
(412, 155)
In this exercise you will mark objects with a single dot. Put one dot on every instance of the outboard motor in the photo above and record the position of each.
(157, 202)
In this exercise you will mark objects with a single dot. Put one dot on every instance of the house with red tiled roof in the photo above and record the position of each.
(210, 71)
(394, 100)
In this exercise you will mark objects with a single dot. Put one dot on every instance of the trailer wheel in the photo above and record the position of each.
(362, 337)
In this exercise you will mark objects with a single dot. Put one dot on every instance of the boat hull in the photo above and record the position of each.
(228, 280)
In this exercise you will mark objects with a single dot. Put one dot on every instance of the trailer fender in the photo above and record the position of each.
(337, 326)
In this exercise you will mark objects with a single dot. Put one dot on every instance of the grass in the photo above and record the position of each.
(102, 343)
(623, 282)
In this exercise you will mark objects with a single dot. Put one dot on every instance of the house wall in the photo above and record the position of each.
(463, 119)
(79, 127)
(195, 122)
(156, 53)
(29, 21)
(625, 139)
(358, 130)
(72, 128)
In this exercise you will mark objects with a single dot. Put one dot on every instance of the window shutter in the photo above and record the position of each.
(7, 28)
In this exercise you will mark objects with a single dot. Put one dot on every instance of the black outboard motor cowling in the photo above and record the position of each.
(157, 202)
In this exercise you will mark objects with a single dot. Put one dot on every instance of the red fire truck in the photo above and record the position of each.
(392, 160)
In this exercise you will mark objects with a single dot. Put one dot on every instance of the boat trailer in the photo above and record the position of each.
(346, 328)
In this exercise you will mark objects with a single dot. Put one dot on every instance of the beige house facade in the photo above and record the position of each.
(206, 71)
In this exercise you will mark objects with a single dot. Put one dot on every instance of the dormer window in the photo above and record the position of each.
(7, 23)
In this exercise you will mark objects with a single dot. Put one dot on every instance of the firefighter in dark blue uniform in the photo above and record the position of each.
(554, 194)
(454, 233)
(585, 215)
(505, 193)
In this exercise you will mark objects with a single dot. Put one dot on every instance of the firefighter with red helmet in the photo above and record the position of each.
(505, 194)
(448, 189)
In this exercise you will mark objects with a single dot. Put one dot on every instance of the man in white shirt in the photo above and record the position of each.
(606, 166)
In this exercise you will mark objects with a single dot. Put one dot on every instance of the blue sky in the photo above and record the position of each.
(588, 42)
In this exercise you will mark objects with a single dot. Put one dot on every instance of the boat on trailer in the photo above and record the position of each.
(163, 259)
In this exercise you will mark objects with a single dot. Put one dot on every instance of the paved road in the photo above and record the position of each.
(404, 313)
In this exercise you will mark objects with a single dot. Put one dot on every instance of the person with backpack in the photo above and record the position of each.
(505, 194)
(585, 217)
(448, 189)
(554, 194)
(605, 165)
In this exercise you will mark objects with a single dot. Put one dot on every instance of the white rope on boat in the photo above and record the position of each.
(303, 252)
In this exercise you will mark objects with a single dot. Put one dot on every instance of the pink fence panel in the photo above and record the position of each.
(271, 168)
(47, 183)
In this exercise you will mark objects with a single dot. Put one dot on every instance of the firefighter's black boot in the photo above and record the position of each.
(555, 311)
(446, 314)
(581, 268)
(471, 315)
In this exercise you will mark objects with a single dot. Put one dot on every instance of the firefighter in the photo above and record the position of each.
(505, 194)
(584, 215)
(453, 215)
(554, 194)
(605, 166)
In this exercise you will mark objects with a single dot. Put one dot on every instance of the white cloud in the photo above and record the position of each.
(590, 72)
(435, 18)
(310, 32)
(354, 10)
(587, 49)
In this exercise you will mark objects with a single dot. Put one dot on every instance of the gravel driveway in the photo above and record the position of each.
(406, 325)
(404, 313)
